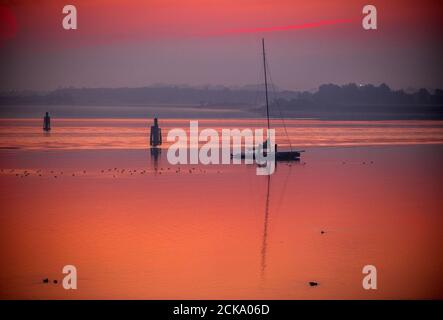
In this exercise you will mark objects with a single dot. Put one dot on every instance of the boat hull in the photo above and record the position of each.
(279, 156)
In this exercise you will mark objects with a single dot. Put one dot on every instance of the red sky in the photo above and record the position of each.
(190, 28)
(135, 20)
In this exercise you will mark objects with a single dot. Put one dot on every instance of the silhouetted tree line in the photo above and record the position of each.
(361, 95)
(329, 97)
(361, 102)
(221, 96)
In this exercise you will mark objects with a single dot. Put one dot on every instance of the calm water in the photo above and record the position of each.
(133, 133)
(91, 195)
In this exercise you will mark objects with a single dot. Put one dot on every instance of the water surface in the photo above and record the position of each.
(90, 194)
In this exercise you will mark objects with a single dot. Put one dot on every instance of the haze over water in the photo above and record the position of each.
(90, 194)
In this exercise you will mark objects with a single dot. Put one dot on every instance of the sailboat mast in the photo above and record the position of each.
(266, 82)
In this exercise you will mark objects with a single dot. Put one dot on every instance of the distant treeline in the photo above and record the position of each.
(349, 101)
(353, 101)
(206, 96)
(330, 94)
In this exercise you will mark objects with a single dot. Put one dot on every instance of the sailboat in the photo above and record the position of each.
(289, 155)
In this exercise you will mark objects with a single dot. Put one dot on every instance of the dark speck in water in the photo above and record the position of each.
(313, 283)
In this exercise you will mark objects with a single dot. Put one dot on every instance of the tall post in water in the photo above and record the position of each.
(155, 140)
(47, 122)
(155, 135)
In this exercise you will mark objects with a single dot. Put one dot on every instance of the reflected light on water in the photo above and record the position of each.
(134, 133)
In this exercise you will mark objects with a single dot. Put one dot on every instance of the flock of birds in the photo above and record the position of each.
(121, 172)
(109, 172)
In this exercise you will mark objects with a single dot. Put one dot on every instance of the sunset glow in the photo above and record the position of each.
(209, 151)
